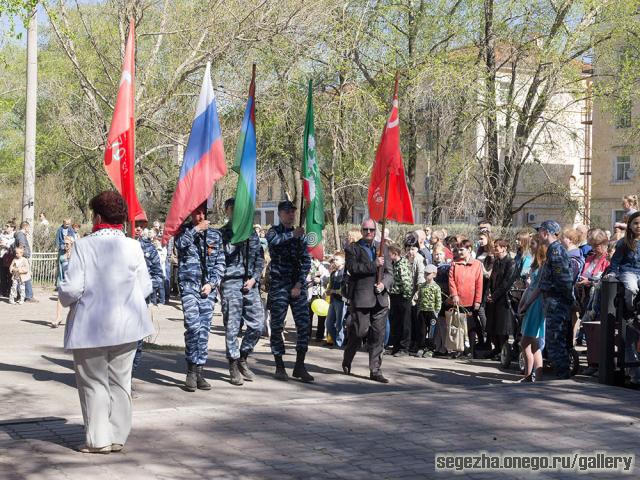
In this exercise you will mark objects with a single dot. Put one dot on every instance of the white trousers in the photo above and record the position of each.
(103, 377)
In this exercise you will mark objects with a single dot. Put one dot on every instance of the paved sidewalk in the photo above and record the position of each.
(339, 427)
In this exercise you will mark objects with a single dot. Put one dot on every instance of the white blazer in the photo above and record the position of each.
(106, 286)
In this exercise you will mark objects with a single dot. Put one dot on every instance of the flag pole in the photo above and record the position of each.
(132, 140)
(383, 226)
(384, 208)
(302, 204)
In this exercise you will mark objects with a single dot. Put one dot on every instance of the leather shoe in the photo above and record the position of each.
(378, 377)
(346, 369)
(86, 449)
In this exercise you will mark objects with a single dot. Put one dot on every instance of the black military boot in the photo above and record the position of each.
(191, 383)
(201, 382)
(234, 373)
(299, 371)
(281, 373)
(243, 366)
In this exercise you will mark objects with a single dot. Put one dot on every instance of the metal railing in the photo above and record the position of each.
(44, 267)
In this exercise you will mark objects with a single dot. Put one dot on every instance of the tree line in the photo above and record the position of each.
(478, 80)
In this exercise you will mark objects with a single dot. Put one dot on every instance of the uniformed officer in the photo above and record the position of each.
(556, 286)
(290, 265)
(200, 270)
(151, 256)
(154, 268)
(241, 298)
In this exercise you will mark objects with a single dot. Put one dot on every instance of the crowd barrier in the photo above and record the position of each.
(44, 268)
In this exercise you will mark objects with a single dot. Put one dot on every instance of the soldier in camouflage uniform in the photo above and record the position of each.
(200, 270)
(241, 298)
(290, 265)
(556, 286)
(152, 259)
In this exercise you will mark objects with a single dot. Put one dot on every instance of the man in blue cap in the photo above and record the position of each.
(290, 265)
(201, 267)
(556, 286)
(241, 298)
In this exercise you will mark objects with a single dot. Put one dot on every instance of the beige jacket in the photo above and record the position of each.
(21, 269)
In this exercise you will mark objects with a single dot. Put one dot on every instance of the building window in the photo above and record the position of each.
(270, 217)
(269, 192)
(359, 214)
(622, 170)
(618, 216)
(623, 116)
(457, 219)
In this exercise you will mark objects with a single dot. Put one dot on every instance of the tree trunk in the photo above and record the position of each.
(491, 180)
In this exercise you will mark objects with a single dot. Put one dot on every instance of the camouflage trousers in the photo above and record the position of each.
(198, 313)
(239, 308)
(279, 301)
(557, 322)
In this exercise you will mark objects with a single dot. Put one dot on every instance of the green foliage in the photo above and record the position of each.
(351, 49)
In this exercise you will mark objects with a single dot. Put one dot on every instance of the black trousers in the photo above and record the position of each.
(5, 281)
(420, 331)
(369, 323)
(400, 321)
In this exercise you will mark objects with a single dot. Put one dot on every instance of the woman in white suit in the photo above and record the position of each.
(106, 286)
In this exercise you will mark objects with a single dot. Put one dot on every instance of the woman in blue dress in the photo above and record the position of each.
(533, 325)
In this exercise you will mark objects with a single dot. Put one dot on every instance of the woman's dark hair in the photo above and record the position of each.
(629, 240)
(466, 243)
(110, 206)
(450, 241)
(411, 240)
(501, 242)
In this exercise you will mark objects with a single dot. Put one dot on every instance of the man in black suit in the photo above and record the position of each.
(369, 300)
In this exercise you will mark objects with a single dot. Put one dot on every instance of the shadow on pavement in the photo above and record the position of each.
(38, 322)
(42, 375)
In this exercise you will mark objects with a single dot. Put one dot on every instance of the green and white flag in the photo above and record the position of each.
(312, 185)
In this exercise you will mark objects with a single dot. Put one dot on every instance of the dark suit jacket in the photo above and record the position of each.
(362, 278)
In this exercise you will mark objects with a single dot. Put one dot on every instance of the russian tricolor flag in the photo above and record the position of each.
(203, 161)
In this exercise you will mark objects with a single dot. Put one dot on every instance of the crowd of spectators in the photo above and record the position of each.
(498, 287)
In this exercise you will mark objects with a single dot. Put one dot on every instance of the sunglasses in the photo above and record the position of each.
(368, 229)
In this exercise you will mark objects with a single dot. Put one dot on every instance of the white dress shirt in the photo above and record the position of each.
(106, 286)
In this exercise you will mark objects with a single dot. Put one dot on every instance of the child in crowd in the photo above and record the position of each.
(318, 277)
(20, 273)
(442, 279)
(417, 263)
(335, 327)
(437, 241)
(400, 295)
(429, 305)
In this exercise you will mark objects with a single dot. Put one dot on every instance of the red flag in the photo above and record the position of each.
(119, 155)
(389, 161)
